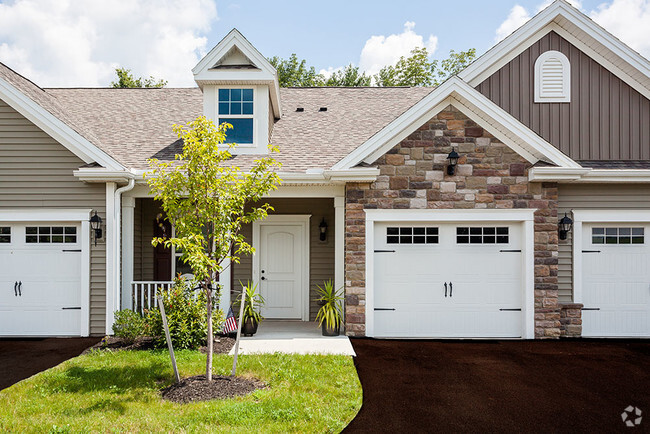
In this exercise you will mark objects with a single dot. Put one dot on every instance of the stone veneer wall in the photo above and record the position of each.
(489, 175)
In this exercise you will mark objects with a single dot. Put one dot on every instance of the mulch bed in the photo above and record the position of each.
(222, 344)
(199, 389)
(113, 343)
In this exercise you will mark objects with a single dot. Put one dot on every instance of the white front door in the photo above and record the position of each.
(281, 268)
(445, 280)
(40, 279)
(616, 280)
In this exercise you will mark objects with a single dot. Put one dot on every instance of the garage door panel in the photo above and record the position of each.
(480, 280)
(616, 285)
(47, 301)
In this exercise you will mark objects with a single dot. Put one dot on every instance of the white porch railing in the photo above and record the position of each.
(143, 294)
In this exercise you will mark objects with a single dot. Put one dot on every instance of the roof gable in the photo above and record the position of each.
(484, 112)
(44, 111)
(234, 60)
(576, 28)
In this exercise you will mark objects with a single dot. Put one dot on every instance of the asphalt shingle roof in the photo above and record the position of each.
(133, 125)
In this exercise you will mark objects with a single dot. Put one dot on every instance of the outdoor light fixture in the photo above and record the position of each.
(323, 230)
(453, 161)
(96, 225)
(564, 225)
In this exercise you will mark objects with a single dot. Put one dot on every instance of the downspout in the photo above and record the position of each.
(117, 242)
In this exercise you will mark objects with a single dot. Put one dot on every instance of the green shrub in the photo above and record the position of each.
(129, 325)
(186, 317)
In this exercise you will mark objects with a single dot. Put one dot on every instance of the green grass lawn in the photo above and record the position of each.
(119, 392)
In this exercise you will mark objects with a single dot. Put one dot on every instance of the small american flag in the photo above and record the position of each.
(231, 322)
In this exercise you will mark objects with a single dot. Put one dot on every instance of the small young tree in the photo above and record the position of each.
(205, 198)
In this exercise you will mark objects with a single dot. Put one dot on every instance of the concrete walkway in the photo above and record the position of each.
(293, 337)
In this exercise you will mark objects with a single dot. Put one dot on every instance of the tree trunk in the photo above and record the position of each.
(208, 367)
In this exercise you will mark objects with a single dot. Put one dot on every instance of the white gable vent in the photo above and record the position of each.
(552, 77)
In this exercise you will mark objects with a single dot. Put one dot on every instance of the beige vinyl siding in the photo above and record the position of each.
(592, 196)
(605, 120)
(36, 172)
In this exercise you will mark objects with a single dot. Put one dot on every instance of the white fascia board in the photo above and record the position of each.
(450, 215)
(353, 175)
(455, 91)
(540, 25)
(611, 215)
(589, 175)
(44, 214)
(103, 175)
(55, 128)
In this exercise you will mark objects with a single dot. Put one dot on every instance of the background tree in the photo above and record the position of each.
(125, 79)
(417, 70)
(295, 73)
(206, 200)
(349, 77)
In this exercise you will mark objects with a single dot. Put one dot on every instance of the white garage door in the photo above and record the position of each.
(448, 280)
(616, 280)
(40, 279)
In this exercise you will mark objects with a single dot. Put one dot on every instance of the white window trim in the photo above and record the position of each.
(540, 96)
(241, 116)
(300, 219)
(524, 216)
(64, 215)
(597, 216)
(260, 115)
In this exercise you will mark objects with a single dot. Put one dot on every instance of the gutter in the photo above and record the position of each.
(117, 240)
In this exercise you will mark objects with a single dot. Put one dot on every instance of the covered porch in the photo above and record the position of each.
(292, 257)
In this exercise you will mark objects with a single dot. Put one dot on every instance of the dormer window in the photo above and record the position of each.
(236, 107)
(552, 77)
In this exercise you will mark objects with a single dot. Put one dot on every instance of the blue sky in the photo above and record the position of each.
(79, 43)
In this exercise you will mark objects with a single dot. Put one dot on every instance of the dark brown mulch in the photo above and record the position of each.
(501, 386)
(222, 345)
(22, 358)
(118, 344)
(199, 389)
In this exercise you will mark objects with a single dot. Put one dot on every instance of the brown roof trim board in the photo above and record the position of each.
(45, 111)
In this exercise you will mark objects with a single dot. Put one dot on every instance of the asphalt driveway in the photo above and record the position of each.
(523, 386)
(22, 358)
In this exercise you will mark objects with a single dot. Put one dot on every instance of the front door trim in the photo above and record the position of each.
(297, 219)
(525, 216)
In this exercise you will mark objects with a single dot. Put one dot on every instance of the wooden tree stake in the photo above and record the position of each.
(239, 325)
(169, 338)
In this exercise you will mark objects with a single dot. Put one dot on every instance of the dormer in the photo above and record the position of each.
(240, 87)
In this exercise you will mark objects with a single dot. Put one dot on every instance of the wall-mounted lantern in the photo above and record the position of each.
(96, 226)
(453, 161)
(323, 230)
(564, 225)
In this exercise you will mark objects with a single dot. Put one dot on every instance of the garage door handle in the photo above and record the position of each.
(451, 288)
(20, 285)
(15, 289)
(445, 289)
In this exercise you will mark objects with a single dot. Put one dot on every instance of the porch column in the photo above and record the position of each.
(128, 208)
(339, 242)
(224, 281)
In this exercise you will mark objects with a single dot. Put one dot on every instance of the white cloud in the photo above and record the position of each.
(79, 43)
(327, 73)
(628, 20)
(380, 51)
(519, 15)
